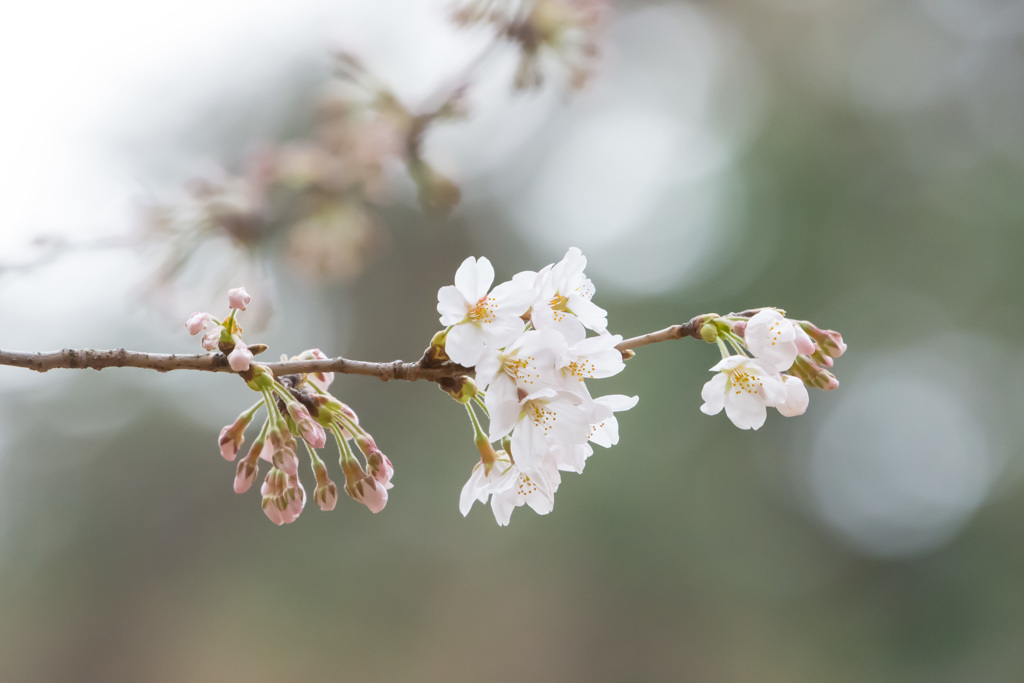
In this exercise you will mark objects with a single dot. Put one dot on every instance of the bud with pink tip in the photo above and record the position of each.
(197, 322)
(283, 497)
(830, 341)
(326, 494)
(310, 429)
(211, 339)
(362, 487)
(247, 468)
(240, 358)
(283, 456)
(379, 465)
(232, 436)
(238, 298)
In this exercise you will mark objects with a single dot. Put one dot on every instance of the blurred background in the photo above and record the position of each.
(859, 164)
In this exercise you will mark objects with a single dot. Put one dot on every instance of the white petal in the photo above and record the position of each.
(589, 313)
(745, 410)
(474, 278)
(472, 491)
(465, 344)
(502, 507)
(451, 305)
(503, 331)
(796, 397)
(713, 394)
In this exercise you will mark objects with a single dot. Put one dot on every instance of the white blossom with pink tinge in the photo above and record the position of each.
(746, 388)
(509, 487)
(479, 318)
(563, 296)
(776, 339)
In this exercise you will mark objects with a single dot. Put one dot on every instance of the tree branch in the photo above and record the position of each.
(80, 359)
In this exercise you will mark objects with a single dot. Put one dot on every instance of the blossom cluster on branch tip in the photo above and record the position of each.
(768, 361)
(298, 408)
(224, 336)
(528, 341)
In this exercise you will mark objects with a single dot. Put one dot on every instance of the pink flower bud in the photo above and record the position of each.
(238, 298)
(326, 496)
(240, 358)
(232, 436)
(283, 497)
(369, 492)
(245, 474)
(229, 443)
(211, 339)
(804, 344)
(310, 429)
(285, 459)
(379, 465)
(197, 322)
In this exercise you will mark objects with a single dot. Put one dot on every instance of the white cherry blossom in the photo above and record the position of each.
(776, 339)
(536, 418)
(746, 388)
(527, 363)
(564, 296)
(479, 319)
(508, 487)
(590, 358)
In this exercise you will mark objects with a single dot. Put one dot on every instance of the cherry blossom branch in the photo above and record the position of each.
(95, 359)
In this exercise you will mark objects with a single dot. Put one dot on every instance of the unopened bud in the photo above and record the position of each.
(240, 358)
(462, 388)
(435, 355)
(238, 298)
(830, 341)
(709, 332)
(326, 496)
(197, 322)
(246, 473)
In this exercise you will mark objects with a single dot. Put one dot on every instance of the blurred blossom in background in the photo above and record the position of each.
(858, 164)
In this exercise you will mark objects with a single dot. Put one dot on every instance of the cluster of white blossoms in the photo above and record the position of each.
(772, 361)
(529, 343)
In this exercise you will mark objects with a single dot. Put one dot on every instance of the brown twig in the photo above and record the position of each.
(94, 359)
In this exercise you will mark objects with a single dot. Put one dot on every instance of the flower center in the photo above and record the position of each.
(541, 416)
(581, 369)
(526, 486)
(745, 382)
(518, 369)
(483, 312)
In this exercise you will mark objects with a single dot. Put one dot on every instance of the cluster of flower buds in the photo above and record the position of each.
(226, 336)
(768, 361)
(528, 341)
(298, 408)
(566, 30)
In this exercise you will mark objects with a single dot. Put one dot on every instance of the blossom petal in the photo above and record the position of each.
(474, 278)
(713, 394)
(465, 344)
(452, 305)
(745, 410)
(796, 397)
